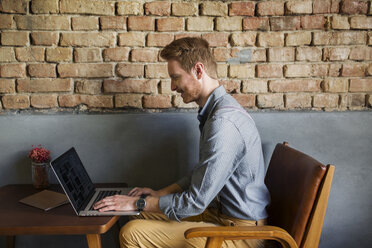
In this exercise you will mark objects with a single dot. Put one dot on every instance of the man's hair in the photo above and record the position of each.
(188, 51)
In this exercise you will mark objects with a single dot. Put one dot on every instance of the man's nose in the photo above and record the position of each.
(173, 86)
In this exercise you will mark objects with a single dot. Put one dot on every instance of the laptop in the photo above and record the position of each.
(79, 188)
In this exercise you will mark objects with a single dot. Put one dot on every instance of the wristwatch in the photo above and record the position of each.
(141, 203)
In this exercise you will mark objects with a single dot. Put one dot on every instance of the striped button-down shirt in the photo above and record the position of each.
(231, 166)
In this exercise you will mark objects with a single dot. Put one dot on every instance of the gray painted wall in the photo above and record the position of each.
(155, 149)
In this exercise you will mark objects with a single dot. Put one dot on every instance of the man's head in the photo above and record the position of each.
(188, 51)
(192, 68)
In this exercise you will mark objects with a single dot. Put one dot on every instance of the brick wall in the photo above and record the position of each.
(61, 55)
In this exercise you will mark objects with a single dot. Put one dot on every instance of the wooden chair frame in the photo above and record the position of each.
(216, 235)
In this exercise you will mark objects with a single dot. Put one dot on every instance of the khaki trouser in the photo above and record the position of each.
(156, 230)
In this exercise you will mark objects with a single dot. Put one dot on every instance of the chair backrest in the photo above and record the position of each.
(295, 181)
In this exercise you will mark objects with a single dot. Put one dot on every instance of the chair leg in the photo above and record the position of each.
(214, 242)
(115, 234)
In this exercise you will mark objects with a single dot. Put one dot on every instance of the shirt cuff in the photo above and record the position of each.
(166, 206)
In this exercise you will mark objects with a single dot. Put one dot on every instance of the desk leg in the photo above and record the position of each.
(9, 241)
(94, 240)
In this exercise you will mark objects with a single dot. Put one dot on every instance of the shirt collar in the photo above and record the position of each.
(208, 106)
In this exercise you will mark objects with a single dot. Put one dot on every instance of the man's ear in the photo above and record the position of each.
(199, 70)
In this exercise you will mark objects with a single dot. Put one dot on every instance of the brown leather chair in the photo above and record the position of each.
(299, 187)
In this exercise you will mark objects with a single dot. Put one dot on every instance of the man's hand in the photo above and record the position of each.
(143, 191)
(117, 203)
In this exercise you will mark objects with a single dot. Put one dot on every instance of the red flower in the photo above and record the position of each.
(39, 154)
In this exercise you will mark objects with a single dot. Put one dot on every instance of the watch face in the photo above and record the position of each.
(141, 204)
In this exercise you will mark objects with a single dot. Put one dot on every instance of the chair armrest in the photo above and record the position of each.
(216, 235)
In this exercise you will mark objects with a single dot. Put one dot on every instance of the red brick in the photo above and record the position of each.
(281, 54)
(256, 23)
(326, 6)
(92, 87)
(202, 23)
(336, 53)
(221, 54)
(319, 70)
(144, 55)
(132, 39)
(297, 70)
(272, 39)
(242, 39)
(169, 24)
(159, 8)
(15, 102)
(11, 6)
(113, 22)
(159, 40)
(354, 7)
(353, 70)
(285, 23)
(7, 86)
(217, 39)
(129, 8)
(130, 70)
(295, 85)
(44, 38)
(84, 23)
(298, 39)
(156, 71)
(87, 7)
(13, 70)
(269, 71)
(340, 38)
(104, 39)
(85, 70)
(340, 22)
(44, 6)
(313, 22)
(42, 22)
(308, 54)
(157, 101)
(335, 85)
(246, 100)
(213, 8)
(241, 8)
(297, 100)
(44, 101)
(42, 70)
(185, 9)
(326, 101)
(131, 86)
(299, 7)
(270, 8)
(361, 22)
(44, 85)
(87, 55)
(231, 86)
(369, 70)
(335, 70)
(241, 71)
(270, 100)
(361, 85)
(356, 101)
(128, 100)
(59, 54)
(89, 100)
(6, 21)
(361, 53)
(18, 38)
(116, 54)
(254, 86)
(141, 23)
(7, 54)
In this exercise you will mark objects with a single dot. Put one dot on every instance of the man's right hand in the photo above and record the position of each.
(143, 191)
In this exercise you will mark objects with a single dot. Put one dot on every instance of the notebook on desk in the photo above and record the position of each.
(45, 200)
(79, 188)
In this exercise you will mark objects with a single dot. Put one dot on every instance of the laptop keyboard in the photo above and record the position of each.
(103, 194)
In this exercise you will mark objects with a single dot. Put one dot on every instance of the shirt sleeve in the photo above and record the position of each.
(184, 182)
(220, 152)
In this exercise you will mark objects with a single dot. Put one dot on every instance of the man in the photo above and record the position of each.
(226, 187)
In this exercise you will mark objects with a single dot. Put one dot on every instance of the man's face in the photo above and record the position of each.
(184, 82)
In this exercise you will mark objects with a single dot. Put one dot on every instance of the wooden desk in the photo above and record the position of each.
(19, 219)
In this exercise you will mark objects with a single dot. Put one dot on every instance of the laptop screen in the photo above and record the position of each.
(73, 178)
